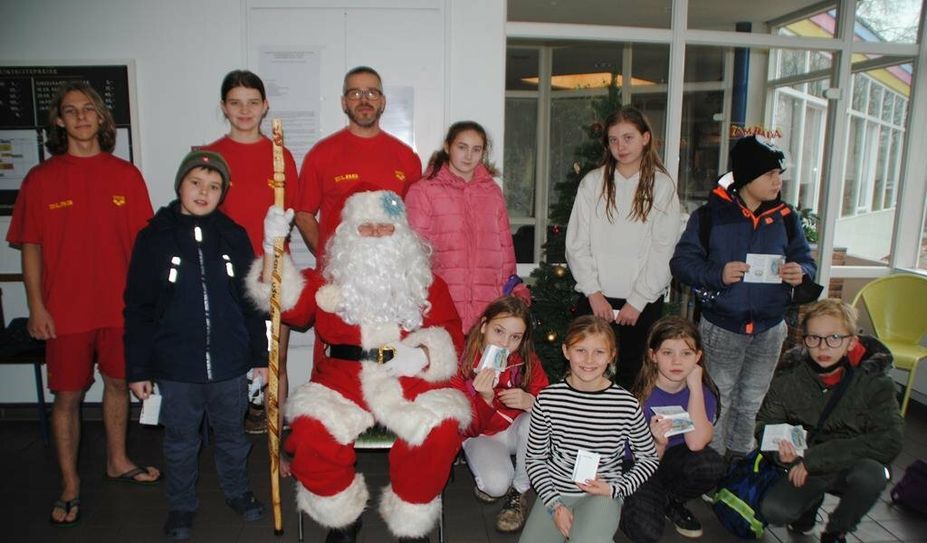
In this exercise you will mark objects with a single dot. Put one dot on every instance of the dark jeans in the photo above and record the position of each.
(631, 339)
(859, 488)
(183, 406)
(682, 475)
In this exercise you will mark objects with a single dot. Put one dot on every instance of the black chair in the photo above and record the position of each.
(17, 347)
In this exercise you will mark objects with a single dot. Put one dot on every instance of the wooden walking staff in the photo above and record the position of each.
(272, 408)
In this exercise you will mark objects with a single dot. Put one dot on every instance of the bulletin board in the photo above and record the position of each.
(26, 93)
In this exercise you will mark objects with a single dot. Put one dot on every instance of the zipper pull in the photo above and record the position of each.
(197, 234)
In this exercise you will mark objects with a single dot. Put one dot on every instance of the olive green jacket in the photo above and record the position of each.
(865, 423)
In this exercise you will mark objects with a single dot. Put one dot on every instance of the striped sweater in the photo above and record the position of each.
(564, 420)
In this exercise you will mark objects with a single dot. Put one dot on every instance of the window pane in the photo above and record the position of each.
(810, 161)
(887, 20)
(520, 155)
(726, 14)
(873, 158)
(851, 173)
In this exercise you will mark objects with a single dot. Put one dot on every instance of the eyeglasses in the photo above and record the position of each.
(357, 94)
(833, 341)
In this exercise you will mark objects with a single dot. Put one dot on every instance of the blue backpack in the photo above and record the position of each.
(740, 492)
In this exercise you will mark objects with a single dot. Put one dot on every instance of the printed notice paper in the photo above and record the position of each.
(763, 268)
(586, 466)
(682, 422)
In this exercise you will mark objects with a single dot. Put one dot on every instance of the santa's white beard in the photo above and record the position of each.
(382, 280)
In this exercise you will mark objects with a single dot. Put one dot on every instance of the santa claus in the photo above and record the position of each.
(392, 338)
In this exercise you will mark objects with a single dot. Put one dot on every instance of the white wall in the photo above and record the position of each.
(181, 51)
(868, 235)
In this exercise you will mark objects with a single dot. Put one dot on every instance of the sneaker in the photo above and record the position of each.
(179, 525)
(255, 420)
(247, 506)
(833, 537)
(805, 523)
(683, 519)
(514, 513)
(484, 497)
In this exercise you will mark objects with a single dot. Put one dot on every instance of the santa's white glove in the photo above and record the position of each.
(276, 225)
(407, 361)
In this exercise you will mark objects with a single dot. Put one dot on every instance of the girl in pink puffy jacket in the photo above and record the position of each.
(459, 209)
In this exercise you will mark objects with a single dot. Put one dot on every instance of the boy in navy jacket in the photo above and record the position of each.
(742, 323)
(189, 328)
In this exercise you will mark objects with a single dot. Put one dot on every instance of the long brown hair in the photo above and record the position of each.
(57, 136)
(500, 308)
(670, 327)
(650, 164)
(441, 157)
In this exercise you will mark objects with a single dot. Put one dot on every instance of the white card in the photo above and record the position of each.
(151, 410)
(763, 268)
(586, 466)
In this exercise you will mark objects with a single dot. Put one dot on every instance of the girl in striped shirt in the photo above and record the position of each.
(585, 412)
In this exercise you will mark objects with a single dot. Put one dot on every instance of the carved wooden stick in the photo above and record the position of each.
(273, 380)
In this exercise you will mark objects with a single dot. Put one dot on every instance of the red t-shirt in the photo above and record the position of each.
(251, 166)
(85, 213)
(336, 165)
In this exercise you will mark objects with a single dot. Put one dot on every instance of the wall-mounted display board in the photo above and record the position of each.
(26, 93)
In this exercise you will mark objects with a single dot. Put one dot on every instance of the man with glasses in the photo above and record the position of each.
(847, 453)
(75, 219)
(360, 154)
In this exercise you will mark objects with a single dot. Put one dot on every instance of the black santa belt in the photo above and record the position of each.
(356, 352)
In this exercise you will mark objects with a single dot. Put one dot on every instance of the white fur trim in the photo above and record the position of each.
(374, 336)
(335, 511)
(328, 297)
(411, 421)
(406, 519)
(442, 356)
(292, 283)
(343, 419)
(381, 206)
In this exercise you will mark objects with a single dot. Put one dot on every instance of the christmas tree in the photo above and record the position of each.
(553, 294)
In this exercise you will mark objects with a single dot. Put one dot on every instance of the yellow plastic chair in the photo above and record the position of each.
(896, 306)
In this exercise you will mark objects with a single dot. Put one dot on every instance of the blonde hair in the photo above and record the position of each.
(831, 307)
(591, 325)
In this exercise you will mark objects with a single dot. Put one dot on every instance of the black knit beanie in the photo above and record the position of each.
(751, 158)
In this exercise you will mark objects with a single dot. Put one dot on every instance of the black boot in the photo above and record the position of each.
(423, 539)
(348, 534)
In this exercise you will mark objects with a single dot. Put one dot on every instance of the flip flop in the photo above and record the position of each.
(130, 477)
(65, 506)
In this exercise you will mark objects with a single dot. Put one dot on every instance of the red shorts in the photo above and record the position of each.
(70, 358)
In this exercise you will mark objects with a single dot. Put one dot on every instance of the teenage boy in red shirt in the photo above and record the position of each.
(75, 220)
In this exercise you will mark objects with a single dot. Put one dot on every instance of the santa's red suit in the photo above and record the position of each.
(346, 397)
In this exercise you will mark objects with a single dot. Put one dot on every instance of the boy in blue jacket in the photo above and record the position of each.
(742, 323)
(189, 328)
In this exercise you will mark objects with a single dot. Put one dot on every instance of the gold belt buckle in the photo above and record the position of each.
(383, 349)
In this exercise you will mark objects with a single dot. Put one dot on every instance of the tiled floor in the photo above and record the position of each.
(120, 512)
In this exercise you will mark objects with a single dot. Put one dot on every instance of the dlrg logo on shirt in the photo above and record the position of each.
(119, 200)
